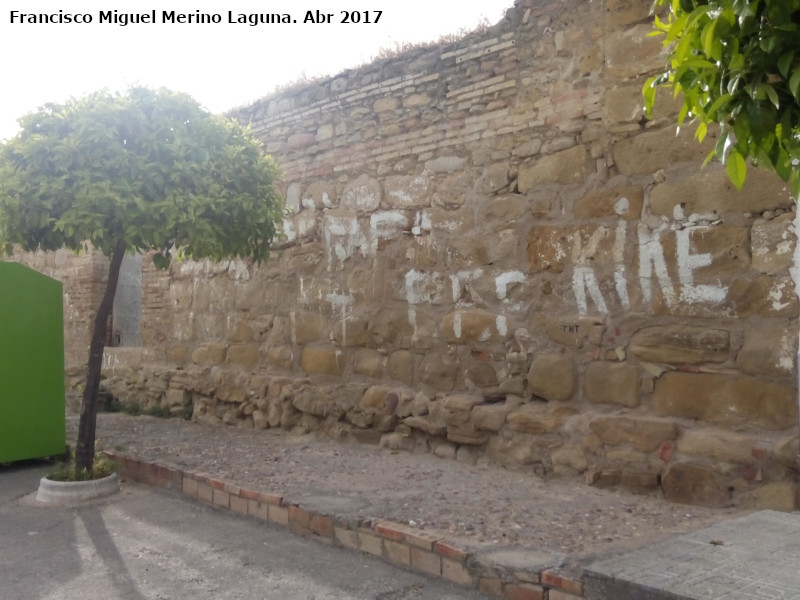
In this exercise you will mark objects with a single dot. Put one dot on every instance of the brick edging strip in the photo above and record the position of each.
(396, 543)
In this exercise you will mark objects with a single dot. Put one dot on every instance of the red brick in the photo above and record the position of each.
(221, 498)
(300, 519)
(491, 586)
(369, 543)
(205, 492)
(554, 580)
(389, 531)
(238, 505)
(322, 525)
(249, 494)
(232, 489)
(216, 483)
(397, 552)
(189, 487)
(426, 561)
(523, 591)
(274, 499)
(455, 572)
(278, 514)
(421, 539)
(257, 509)
(346, 537)
(450, 551)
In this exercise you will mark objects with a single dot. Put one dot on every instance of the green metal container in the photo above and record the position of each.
(32, 422)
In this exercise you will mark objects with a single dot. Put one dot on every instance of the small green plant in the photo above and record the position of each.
(130, 407)
(161, 412)
(187, 411)
(68, 470)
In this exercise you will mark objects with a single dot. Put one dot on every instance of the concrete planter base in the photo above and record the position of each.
(53, 492)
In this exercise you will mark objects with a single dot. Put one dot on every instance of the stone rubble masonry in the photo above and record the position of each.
(396, 543)
(489, 254)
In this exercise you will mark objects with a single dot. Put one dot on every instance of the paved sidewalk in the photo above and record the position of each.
(148, 544)
(756, 556)
(358, 497)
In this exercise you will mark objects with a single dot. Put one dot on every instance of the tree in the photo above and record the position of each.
(737, 64)
(140, 171)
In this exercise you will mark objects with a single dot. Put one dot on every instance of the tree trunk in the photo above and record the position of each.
(84, 452)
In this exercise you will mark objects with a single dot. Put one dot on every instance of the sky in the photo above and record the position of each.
(222, 65)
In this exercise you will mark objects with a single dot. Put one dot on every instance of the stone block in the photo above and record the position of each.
(644, 433)
(385, 104)
(244, 355)
(612, 383)
(457, 407)
(439, 370)
(575, 331)
(554, 249)
(313, 402)
(569, 460)
(786, 451)
(772, 244)
(350, 331)
(376, 397)
(621, 13)
(680, 344)
(466, 434)
(768, 352)
(489, 417)
(694, 484)
(553, 377)
(279, 356)
(711, 191)
(653, 150)
(322, 361)
(400, 366)
(408, 191)
(308, 327)
(631, 52)
(493, 179)
(718, 444)
(535, 419)
(503, 209)
(208, 355)
(731, 401)
(369, 362)
(624, 202)
(567, 166)
(765, 296)
(362, 194)
(429, 426)
(465, 326)
(387, 325)
(481, 374)
(776, 495)
(515, 449)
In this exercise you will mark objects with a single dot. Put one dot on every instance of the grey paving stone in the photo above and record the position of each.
(751, 558)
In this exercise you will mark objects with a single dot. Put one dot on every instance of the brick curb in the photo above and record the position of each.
(396, 543)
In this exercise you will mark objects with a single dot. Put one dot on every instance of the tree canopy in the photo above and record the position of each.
(150, 168)
(737, 64)
(144, 170)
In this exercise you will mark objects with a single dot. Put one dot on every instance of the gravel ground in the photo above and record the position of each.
(473, 505)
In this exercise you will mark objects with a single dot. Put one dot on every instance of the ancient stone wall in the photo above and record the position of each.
(492, 255)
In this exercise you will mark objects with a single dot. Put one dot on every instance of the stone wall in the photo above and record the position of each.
(492, 255)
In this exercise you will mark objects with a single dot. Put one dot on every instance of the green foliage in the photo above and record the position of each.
(737, 64)
(148, 167)
(103, 467)
(134, 409)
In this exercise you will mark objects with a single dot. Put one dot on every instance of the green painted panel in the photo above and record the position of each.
(32, 420)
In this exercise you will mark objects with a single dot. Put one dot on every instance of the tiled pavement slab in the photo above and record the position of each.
(750, 558)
